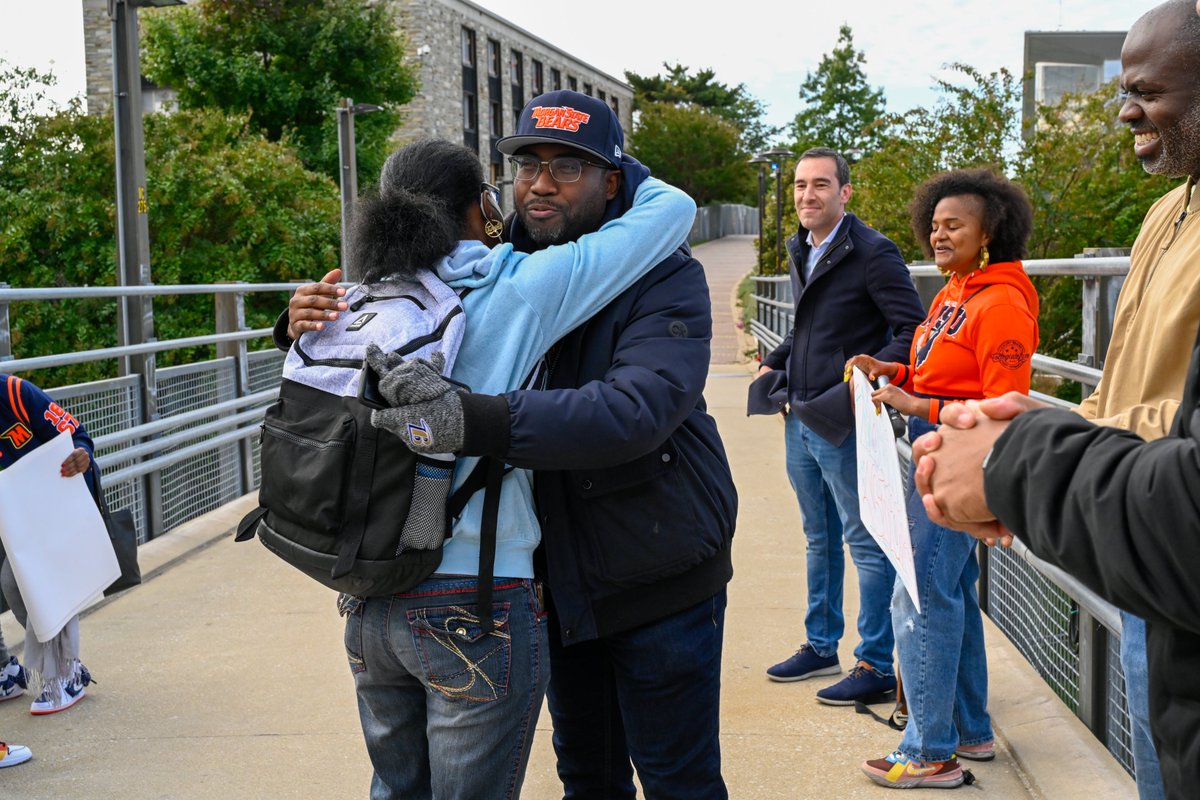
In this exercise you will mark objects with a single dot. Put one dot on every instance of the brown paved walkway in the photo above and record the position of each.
(726, 262)
(224, 674)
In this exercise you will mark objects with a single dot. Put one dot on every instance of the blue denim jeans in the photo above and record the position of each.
(942, 659)
(825, 479)
(647, 698)
(447, 711)
(1137, 698)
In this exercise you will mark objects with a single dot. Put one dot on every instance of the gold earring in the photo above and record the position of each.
(493, 228)
(983, 258)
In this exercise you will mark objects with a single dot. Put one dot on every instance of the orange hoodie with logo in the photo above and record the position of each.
(977, 340)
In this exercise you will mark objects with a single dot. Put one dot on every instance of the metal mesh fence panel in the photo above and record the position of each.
(106, 407)
(1039, 618)
(266, 370)
(203, 482)
(1120, 737)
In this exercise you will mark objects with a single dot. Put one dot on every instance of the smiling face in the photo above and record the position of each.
(820, 200)
(554, 212)
(1162, 105)
(957, 234)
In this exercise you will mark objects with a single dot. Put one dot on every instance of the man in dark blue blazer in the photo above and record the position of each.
(853, 295)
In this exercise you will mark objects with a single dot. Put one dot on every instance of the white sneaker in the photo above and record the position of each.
(13, 754)
(59, 694)
(13, 680)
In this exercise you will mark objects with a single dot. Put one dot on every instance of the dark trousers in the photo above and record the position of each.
(647, 698)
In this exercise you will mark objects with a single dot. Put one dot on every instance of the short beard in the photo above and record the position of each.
(584, 218)
(1179, 146)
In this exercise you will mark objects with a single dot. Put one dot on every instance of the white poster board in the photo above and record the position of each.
(880, 486)
(54, 536)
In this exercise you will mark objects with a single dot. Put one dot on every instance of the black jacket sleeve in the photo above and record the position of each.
(1120, 514)
(656, 371)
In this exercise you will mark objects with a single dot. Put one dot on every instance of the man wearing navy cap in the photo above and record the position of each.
(636, 500)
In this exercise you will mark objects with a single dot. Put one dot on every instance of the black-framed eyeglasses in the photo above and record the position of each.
(564, 169)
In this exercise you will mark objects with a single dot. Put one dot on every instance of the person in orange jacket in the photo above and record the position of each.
(976, 342)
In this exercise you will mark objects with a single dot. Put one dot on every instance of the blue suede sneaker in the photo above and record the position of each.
(863, 684)
(804, 664)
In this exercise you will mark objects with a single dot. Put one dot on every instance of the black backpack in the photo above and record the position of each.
(341, 500)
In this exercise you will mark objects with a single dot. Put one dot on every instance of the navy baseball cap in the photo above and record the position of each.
(566, 117)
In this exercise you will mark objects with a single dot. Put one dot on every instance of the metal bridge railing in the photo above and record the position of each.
(1069, 635)
(172, 443)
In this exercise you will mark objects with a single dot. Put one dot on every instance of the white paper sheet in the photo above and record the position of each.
(55, 537)
(880, 487)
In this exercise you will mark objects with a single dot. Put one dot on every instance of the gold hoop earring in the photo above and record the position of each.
(493, 228)
(983, 258)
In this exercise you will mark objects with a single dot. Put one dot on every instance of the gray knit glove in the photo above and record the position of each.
(426, 413)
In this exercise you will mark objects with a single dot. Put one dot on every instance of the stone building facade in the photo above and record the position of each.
(476, 71)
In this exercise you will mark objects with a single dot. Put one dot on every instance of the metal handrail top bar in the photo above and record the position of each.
(170, 459)
(184, 435)
(166, 423)
(1105, 612)
(1067, 369)
(62, 360)
(150, 290)
(1079, 267)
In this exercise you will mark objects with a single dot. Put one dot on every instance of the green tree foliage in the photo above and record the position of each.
(677, 86)
(841, 111)
(694, 149)
(224, 204)
(286, 64)
(973, 124)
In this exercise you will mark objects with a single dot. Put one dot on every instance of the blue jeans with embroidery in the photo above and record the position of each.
(448, 711)
(941, 650)
(825, 479)
(1137, 698)
(648, 698)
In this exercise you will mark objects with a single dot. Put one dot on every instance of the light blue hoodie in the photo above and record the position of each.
(519, 305)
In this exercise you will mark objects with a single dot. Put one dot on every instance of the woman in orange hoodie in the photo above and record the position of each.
(976, 342)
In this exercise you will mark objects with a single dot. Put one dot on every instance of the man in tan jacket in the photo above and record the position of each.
(1158, 311)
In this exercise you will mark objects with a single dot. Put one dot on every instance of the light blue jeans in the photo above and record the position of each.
(825, 479)
(942, 659)
(1137, 698)
(447, 711)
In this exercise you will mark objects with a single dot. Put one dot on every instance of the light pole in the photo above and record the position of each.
(135, 315)
(762, 161)
(346, 110)
(776, 156)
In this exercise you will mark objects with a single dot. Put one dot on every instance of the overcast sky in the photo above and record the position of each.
(767, 44)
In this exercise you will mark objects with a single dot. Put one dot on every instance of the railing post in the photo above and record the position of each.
(231, 318)
(5, 336)
(984, 567)
(1093, 674)
(1098, 307)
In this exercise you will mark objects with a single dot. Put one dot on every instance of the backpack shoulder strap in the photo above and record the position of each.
(488, 475)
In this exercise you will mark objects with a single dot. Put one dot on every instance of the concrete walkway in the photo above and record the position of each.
(223, 675)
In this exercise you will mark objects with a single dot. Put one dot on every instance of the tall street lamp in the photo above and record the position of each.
(776, 155)
(762, 161)
(346, 110)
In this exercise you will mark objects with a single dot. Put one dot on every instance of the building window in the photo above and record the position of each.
(555, 79)
(470, 112)
(587, 89)
(516, 69)
(497, 119)
(616, 105)
(493, 58)
(537, 77)
(601, 96)
(572, 84)
(468, 47)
